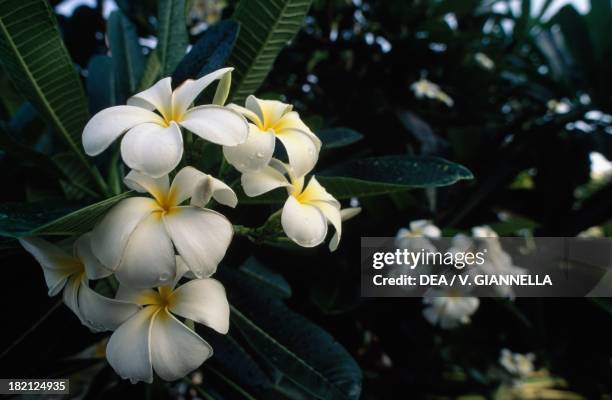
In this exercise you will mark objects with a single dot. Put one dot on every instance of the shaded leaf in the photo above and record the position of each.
(209, 53)
(266, 26)
(101, 84)
(270, 281)
(49, 218)
(127, 56)
(334, 138)
(172, 38)
(36, 60)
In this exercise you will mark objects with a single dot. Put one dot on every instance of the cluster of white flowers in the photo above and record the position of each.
(151, 243)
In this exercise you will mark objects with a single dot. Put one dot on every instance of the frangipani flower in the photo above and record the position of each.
(153, 339)
(306, 212)
(271, 120)
(447, 308)
(137, 238)
(153, 143)
(424, 88)
(72, 273)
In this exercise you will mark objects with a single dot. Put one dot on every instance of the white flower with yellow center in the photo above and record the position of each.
(416, 238)
(424, 88)
(72, 273)
(137, 238)
(271, 120)
(307, 210)
(448, 308)
(153, 339)
(153, 143)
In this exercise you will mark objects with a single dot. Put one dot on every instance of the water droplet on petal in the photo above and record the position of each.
(259, 154)
(164, 277)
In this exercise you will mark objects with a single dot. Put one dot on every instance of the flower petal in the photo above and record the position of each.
(348, 213)
(187, 92)
(201, 237)
(70, 295)
(250, 115)
(128, 349)
(256, 183)
(176, 350)
(301, 149)
(303, 223)
(215, 188)
(148, 259)
(153, 149)
(216, 124)
(157, 187)
(315, 192)
(93, 267)
(110, 123)
(268, 111)
(332, 214)
(157, 97)
(253, 154)
(101, 313)
(111, 235)
(56, 264)
(184, 185)
(203, 301)
(143, 297)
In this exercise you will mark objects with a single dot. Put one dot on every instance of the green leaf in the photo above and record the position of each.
(209, 53)
(266, 26)
(334, 138)
(302, 351)
(49, 218)
(151, 71)
(128, 58)
(172, 38)
(101, 83)
(69, 165)
(34, 57)
(267, 279)
(377, 176)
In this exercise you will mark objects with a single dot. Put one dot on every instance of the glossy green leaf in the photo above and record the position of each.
(377, 176)
(34, 57)
(127, 56)
(303, 352)
(334, 138)
(101, 83)
(270, 281)
(209, 53)
(151, 71)
(172, 38)
(266, 26)
(52, 218)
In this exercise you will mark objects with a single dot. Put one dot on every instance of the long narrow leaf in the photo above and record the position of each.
(266, 26)
(34, 57)
(172, 38)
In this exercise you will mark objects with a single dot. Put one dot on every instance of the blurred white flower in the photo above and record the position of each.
(416, 237)
(71, 273)
(520, 365)
(601, 167)
(496, 260)
(137, 238)
(484, 61)
(424, 88)
(448, 308)
(271, 120)
(153, 143)
(307, 210)
(558, 106)
(154, 339)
